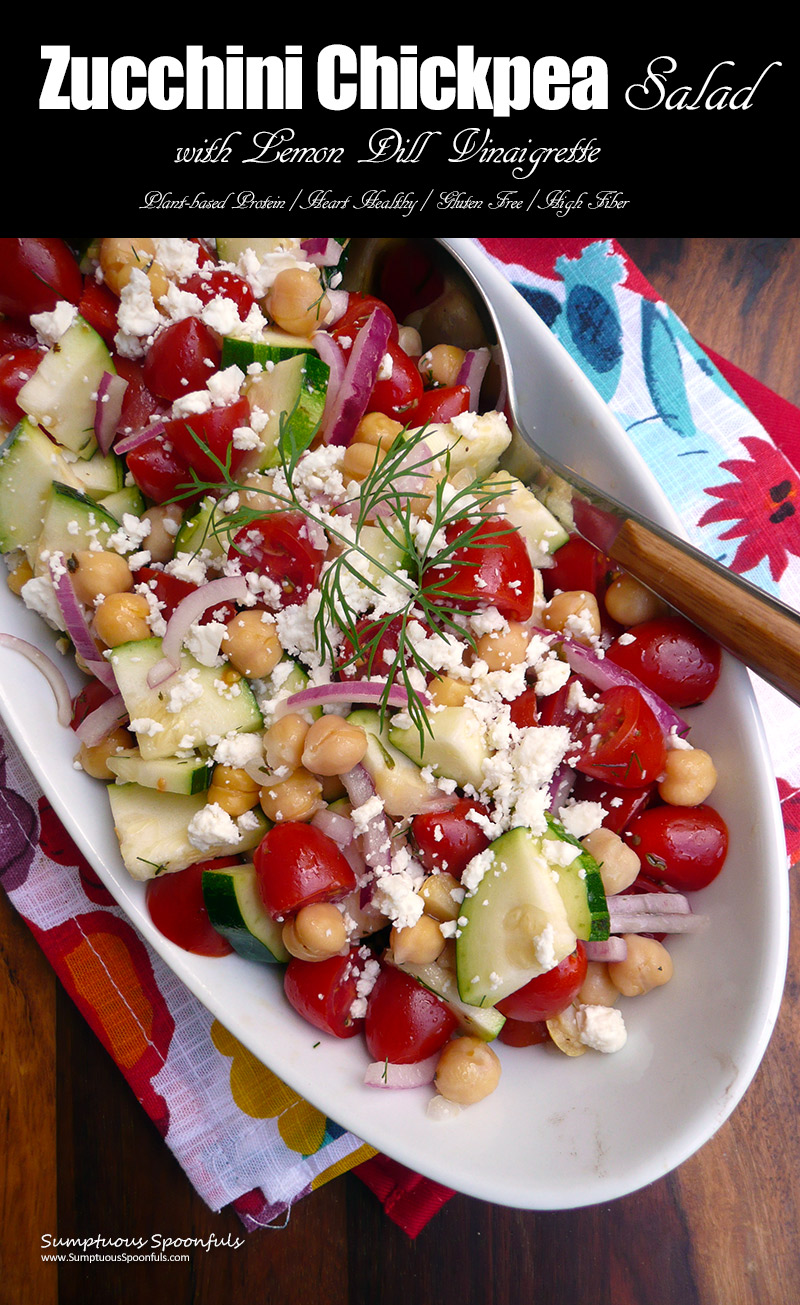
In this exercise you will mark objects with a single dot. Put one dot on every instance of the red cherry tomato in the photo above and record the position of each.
(409, 280)
(170, 590)
(297, 864)
(554, 708)
(34, 274)
(492, 569)
(278, 546)
(359, 309)
(397, 395)
(672, 657)
(207, 433)
(91, 696)
(523, 1033)
(620, 804)
(212, 284)
(16, 335)
(323, 992)
(99, 306)
(623, 742)
(444, 404)
(577, 565)
(550, 993)
(386, 637)
(405, 1022)
(448, 840)
(176, 907)
(684, 847)
(181, 359)
(525, 709)
(15, 369)
(158, 469)
(138, 404)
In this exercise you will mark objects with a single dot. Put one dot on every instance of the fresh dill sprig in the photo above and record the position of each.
(402, 488)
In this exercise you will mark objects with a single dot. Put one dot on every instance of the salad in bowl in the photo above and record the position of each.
(365, 713)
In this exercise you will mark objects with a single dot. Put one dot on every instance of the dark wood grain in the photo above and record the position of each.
(722, 1230)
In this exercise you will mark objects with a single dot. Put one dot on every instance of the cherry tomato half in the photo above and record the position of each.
(296, 864)
(525, 709)
(577, 564)
(672, 657)
(323, 992)
(623, 742)
(181, 359)
(15, 369)
(210, 432)
(620, 804)
(217, 282)
(684, 847)
(278, 546)
(158, 469)
(443, 404)
(492, 569)
(448, 840)
(91, 696)
(523, 1033)
(397, 395)
(35, 273)
(359, 309)
(405, 1022)
(176, 907)
(548, 994)
(170, 590)
(99, 307)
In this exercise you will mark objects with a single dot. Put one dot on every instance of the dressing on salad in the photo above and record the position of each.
(364, 709)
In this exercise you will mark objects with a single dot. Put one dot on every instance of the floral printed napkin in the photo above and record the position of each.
(241, 1135)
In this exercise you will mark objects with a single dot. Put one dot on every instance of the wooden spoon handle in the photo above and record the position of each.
(761, 632)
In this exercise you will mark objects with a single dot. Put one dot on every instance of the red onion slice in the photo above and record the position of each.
(376, 840)
(190, 609)
(110, 394)
(384, 1074)
(471, 374)
(369, 691)
(605, 674)
(338, 827)
(606, 949)
(322, 252)
(137, 437)
(50, 671)
(359, 378)
(331, 352)
(99, 723)
(660, 903)
(77, 626)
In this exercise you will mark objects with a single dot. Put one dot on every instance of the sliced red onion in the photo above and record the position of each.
(77, 627)
(322, 252)
(603, 674)
(560, 787)
(606, 949)
(110, 393)
(376, 840)
(338, 827)
(471, 374)
(360, 375)
(331, 352)
(653, 913)
(369, 691)
(338, 303)
(99, 723)
(137, 437)
(384, 1074)
(227, 589)
(50, 671)
(660, 903)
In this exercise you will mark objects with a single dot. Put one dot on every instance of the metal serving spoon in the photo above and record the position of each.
(756, 628)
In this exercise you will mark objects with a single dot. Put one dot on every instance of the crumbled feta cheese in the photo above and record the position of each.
(212, 827)
(601, 1027)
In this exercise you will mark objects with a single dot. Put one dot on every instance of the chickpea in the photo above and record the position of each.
(295, 798)
(284, 741)
(251, 644)
(573, 612)
(98, 572)
(377, 429)
(448, 692)
(164, 521)
(648, 965)
(441, 364)
(257, 493)
(20, 576)
(468, 1070)
(297, 302)
(118, 258)
(503, 649)
(93, 759)
(316, 932)
(121, 618)
(619, 864)
(629, 602)
(689, 777)
(419, 943)
(597, 988)
(359, 460)
(333, 746)
(437, 894)
(233, 789)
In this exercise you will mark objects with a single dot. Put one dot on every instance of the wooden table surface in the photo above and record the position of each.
(78, 1156)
